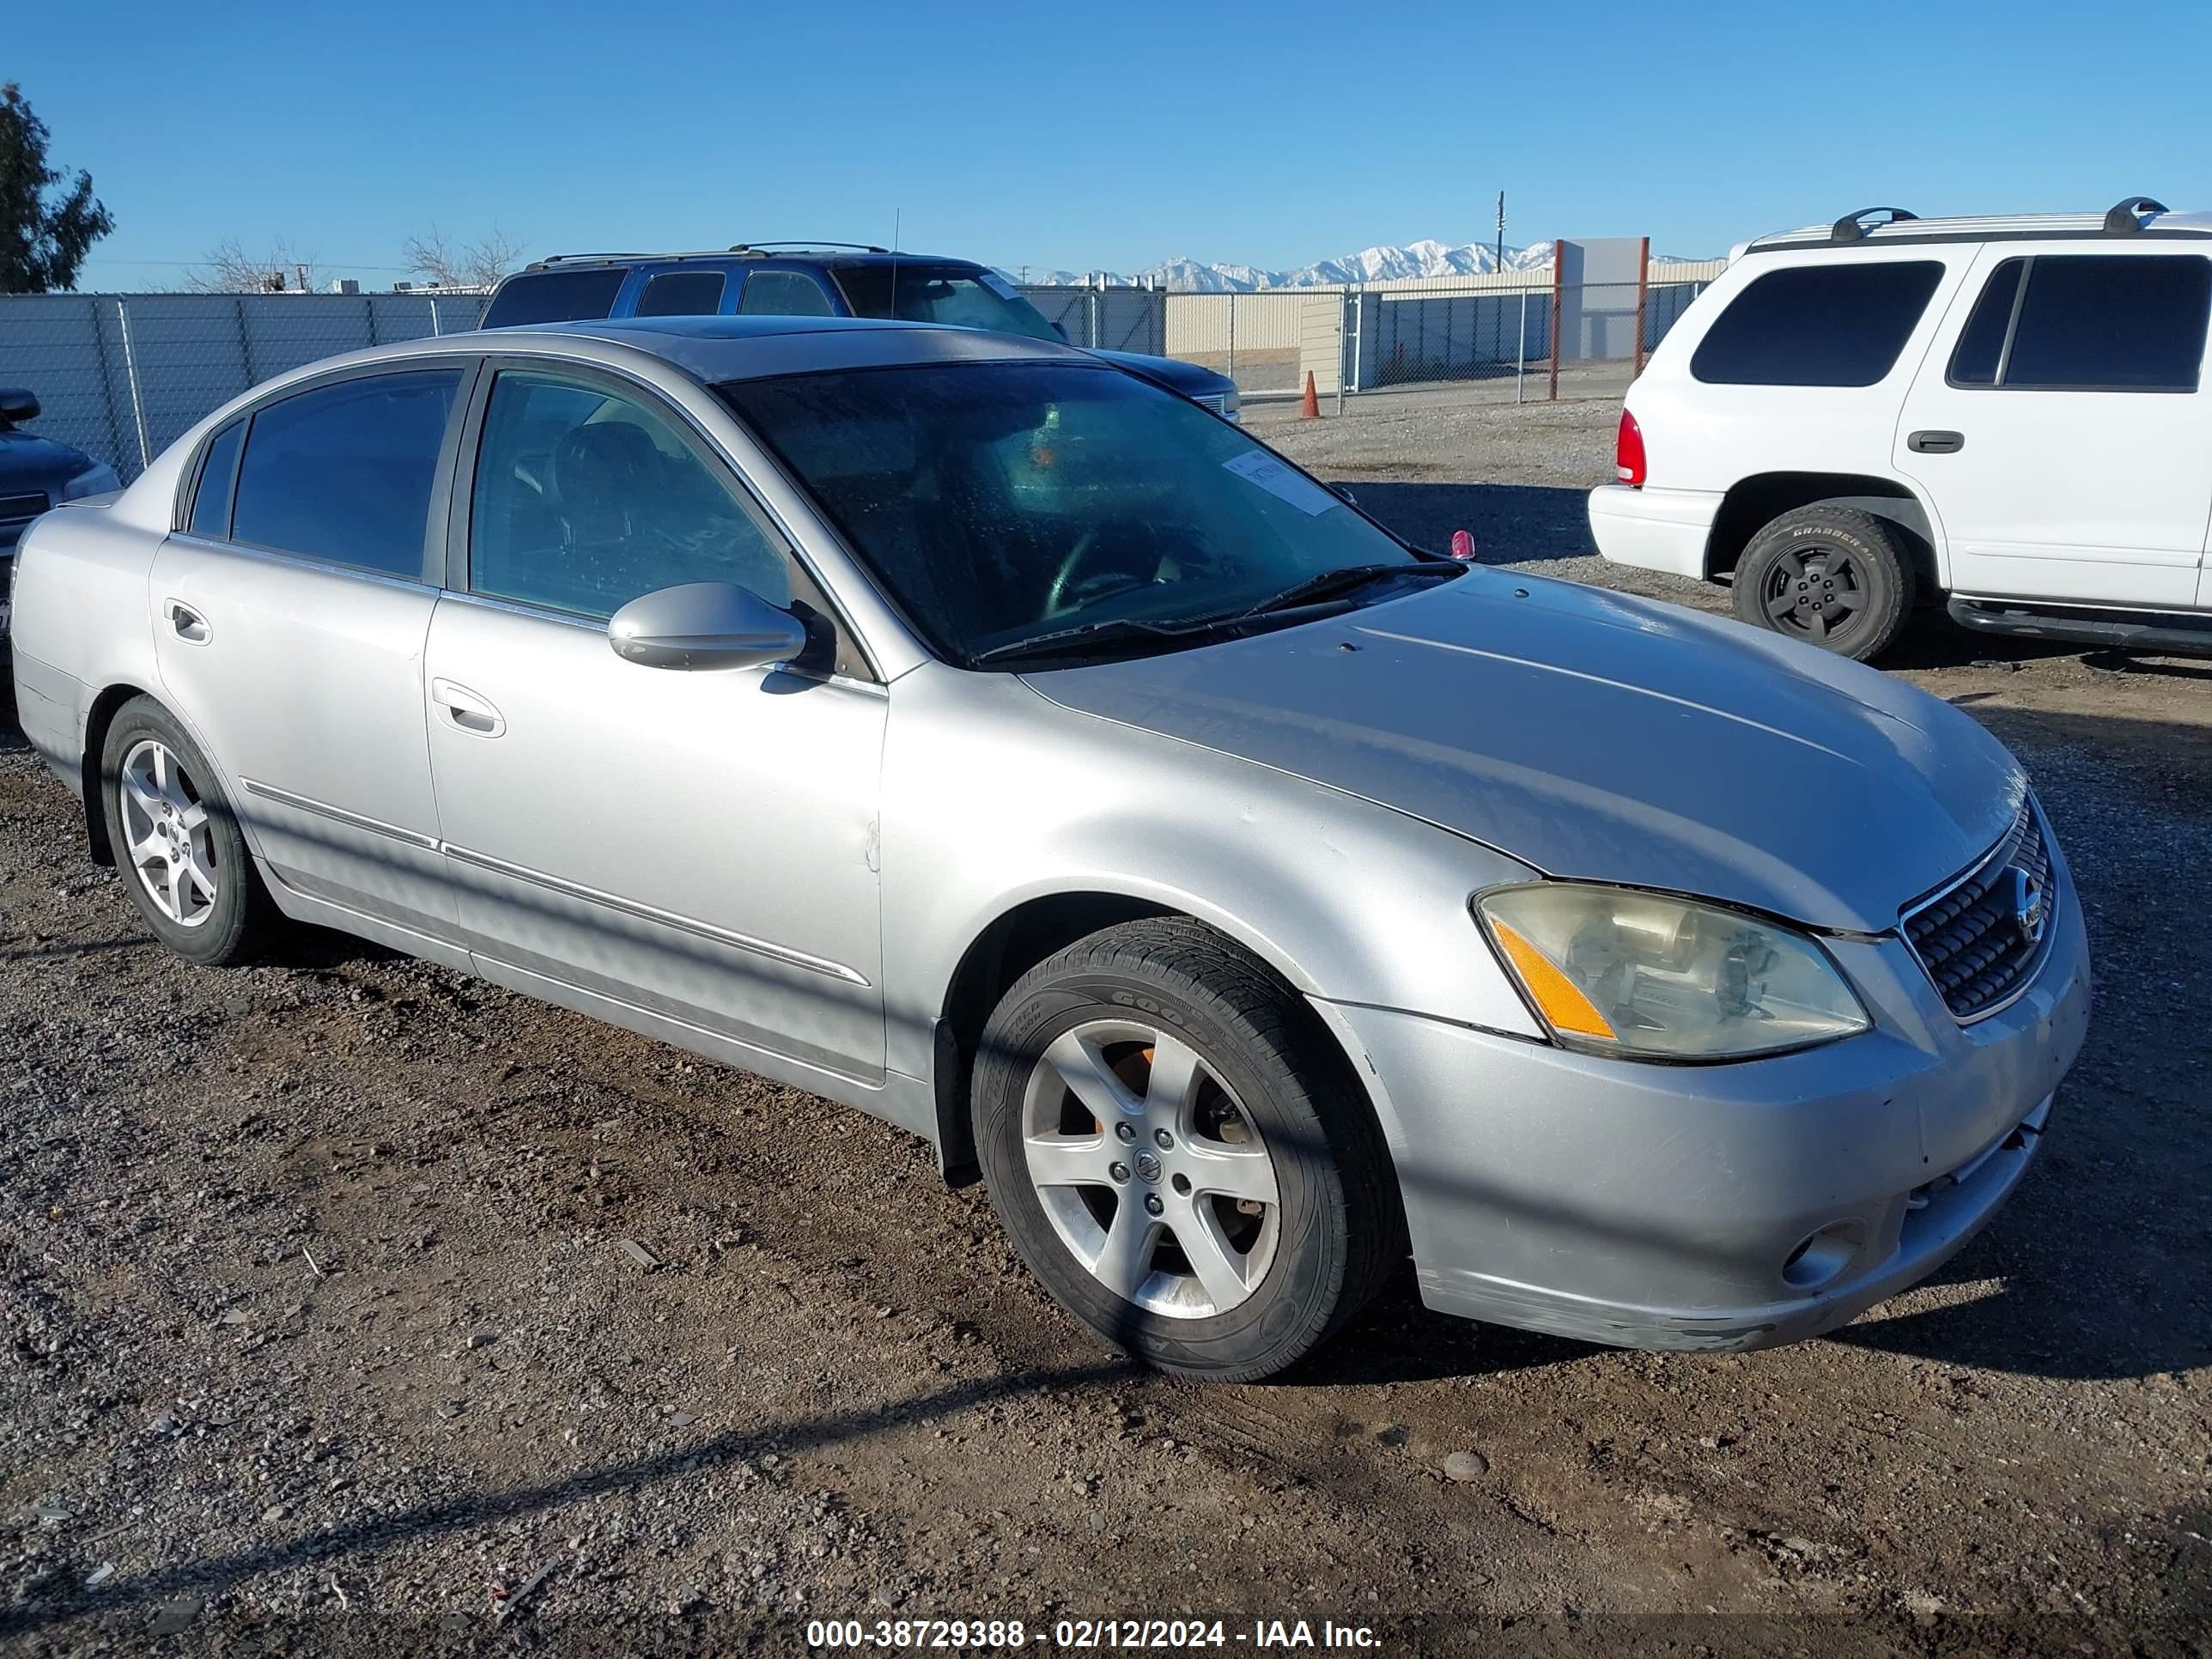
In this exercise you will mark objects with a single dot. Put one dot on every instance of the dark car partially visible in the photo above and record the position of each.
(35, 473)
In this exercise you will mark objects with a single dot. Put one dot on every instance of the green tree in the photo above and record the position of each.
(43, 238)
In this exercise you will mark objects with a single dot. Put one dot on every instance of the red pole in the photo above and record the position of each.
(1642, 293)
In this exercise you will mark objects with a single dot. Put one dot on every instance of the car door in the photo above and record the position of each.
(696, 844)
(2061, 427)
(290, 614)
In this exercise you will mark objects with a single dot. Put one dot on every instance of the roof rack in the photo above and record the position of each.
(762, 247)
(1849, 229)
(2124, 218)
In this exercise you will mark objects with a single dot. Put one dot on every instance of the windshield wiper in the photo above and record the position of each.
(1063, 642)
(1331, 583)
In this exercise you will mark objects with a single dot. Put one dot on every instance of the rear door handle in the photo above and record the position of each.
(1937, 443)
(465, 710)
(191, 627)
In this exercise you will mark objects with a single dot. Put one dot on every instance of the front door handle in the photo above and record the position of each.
(1937, 443)
(466, 711)
(191, 627)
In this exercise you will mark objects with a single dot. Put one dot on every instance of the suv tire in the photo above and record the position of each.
(1832, 576)
(177, 848)
(1257, 1100)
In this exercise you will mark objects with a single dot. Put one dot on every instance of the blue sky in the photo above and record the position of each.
(1101, 134)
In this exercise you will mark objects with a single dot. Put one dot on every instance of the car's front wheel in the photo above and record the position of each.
(1180, 1154)
(184, 860)
(1836, 577)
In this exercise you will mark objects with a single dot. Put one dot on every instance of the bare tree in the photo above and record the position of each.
(479, 265)
(228, 268)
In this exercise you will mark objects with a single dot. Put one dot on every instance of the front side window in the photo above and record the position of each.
(958, 296)
(1000, 503)
(555, 296)
(2088, 322)
(682, 294)
(345, 473)
(783, 293)
(1838, 325)
(586, 498)
(211, 499)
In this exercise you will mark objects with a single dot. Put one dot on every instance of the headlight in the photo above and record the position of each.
(95, 480)
(1613, 972)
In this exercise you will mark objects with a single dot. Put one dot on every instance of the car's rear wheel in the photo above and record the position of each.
(184, 860)
(1179, 1155)
(1833, 576)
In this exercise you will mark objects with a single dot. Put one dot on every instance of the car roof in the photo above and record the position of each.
(2136, 217)
(717, 349)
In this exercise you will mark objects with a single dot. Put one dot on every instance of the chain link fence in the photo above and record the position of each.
(1490, 337)
(122, 376)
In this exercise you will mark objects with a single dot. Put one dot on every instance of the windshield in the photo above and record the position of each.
(1003, 502)
(959, 296)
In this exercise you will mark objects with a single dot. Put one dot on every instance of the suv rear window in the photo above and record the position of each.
(682, 294)
(555, 296)
(1832, 325)
(2088, 322)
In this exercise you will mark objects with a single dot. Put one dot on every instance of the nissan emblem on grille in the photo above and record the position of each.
(2027, 906)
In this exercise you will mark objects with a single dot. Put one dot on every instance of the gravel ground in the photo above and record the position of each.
(354, 1305)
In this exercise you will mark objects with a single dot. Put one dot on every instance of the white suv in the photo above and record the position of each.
(2008, 414)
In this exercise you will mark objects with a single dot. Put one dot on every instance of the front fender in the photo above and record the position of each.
(994, 796)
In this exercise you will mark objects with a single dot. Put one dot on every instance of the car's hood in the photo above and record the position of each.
(1192, 379)
(30, 462)
(1593, 735)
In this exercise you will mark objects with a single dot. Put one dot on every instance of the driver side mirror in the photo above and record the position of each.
(1060, 329)
(17, 404)
(704, 625)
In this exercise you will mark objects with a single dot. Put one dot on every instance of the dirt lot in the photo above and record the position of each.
(354, 1305)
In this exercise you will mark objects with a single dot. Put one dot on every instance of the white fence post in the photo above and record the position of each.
(137, 397)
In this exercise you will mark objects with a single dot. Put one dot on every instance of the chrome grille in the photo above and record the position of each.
(1981, 938)
(1215, 401)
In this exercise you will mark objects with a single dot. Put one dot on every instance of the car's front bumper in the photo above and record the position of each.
(1656, 529)
(1659, 1206)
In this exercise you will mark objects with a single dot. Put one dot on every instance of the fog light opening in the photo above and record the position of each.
(1822, 1256)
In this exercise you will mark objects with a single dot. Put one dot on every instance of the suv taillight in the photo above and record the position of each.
(1628, 452)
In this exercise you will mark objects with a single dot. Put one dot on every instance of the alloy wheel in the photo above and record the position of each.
(1814, 595)
(168, 839)
(1149, 1169)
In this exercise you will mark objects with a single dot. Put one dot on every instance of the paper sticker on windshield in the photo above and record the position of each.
(1281, 479)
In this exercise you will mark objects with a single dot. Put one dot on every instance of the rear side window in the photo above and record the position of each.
(784, 294)
(211, 500)
(682, 294)
(556, 296)
(1832, 325)
(345, 473)
(2088, 322)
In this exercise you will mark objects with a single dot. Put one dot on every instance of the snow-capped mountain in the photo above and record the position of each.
(1423, 258)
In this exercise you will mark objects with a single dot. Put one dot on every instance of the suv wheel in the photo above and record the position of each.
(184, 860)
(1832, 576)
(1181, 1158)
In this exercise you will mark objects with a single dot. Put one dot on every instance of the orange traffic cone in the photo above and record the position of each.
(1310, 406)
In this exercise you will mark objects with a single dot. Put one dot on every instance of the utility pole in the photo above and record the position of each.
(1501, 230)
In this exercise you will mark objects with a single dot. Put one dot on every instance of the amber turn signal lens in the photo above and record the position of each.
(1560, 999)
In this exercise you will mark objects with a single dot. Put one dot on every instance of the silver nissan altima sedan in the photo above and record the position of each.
(956, 726)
